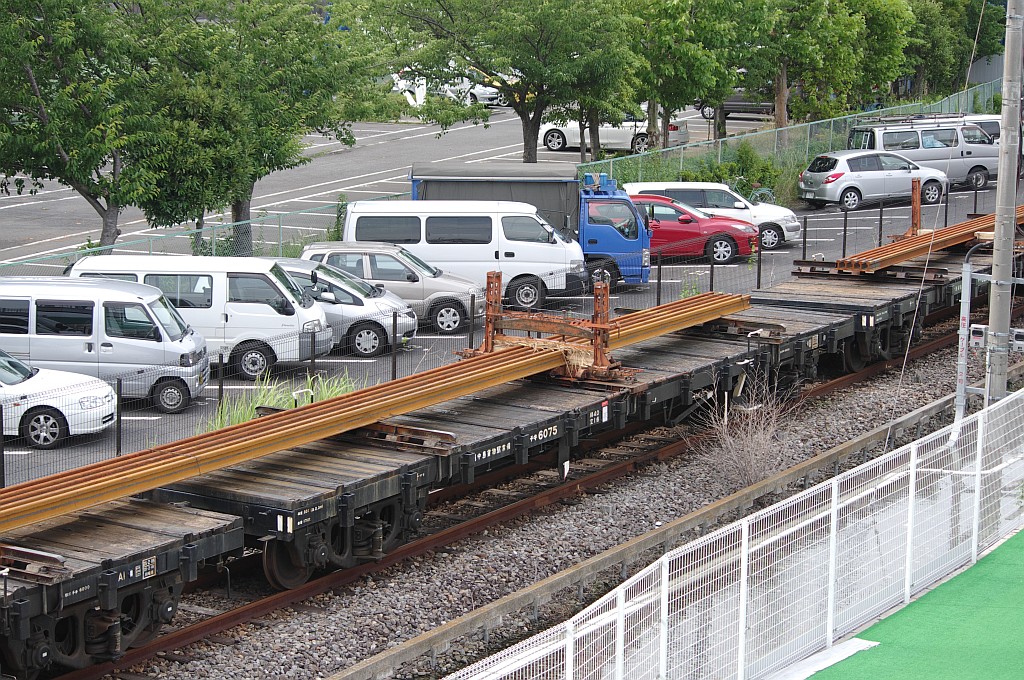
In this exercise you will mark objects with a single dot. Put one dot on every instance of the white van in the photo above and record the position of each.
(250, 311)
(962, 150)
(106, 329)
(471, 238)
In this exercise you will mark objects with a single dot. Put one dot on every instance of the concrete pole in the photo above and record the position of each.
(1006, 195)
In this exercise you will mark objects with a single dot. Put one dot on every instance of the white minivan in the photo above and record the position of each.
(471, 238)
(108, 330)
(250, 311)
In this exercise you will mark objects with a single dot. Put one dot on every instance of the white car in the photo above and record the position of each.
(45, 407)
(631, 134)
(776, 223)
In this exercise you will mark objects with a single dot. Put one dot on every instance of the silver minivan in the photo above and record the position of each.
(961, 150)
(108, 329)
(440, 298)
(360, 315)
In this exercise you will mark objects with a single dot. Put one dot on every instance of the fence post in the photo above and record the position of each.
(394, 345)
(833, 543)
(657, 287)
(846, 222)
(741, 633)
(472, 319)
(570, 650)
(3, 456)
(760, 254)
(979, 453)
(620, 633)
(711, 283)
(908, 569)
(280, 237)
(213, 239)
(803, 255)
(945, 221)
(881, 213)
(312, 351)
(663, 585)
(117, 418)
(220, 379)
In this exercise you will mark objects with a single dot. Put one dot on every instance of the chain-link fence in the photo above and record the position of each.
(790, 580)
(789, 147)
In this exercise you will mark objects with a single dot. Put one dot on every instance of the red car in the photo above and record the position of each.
(682, 230)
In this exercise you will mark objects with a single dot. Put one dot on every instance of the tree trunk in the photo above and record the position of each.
(242, 228)
(197, 237)
(720, 131)
(531, 133)
(654, 134)
(594, 123)
(666, 120)
(920, 83)
(110, 231)
(781, 97)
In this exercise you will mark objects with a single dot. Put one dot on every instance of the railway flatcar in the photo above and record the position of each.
(354, 496)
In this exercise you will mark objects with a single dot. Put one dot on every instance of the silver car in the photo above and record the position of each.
(360, 315)
(852, 177)
(439, 298)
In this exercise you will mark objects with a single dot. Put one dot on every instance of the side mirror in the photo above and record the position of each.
(313, 277)
(283, 307)
(685, 219)
(326, 296)
(739, 205)
(155, 334)
(411, 277)
(379, 285)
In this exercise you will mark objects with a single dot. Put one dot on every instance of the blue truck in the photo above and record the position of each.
(613, 233)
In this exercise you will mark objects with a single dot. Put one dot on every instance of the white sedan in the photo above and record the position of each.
(631, 134)
(45, 407)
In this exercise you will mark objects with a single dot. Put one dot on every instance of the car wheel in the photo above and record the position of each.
(554, 140)
(501, 99)
(931, 193)
(44, 428)
(447, 317)
(771, 237)
(605, 270)
(849, 199)
(472, 98)
(640, 144)
(170, 396)
(526, 293)
(720, 249)
(367, 339)
(977, 178)
(252, 362)
(707, 112)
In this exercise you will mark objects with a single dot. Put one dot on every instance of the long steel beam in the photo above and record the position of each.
(876, 259)
(84, 487)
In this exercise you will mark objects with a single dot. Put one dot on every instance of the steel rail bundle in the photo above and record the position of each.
(78, 489)
(871, 261)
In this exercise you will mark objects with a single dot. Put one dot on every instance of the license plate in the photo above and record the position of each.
(808, 194)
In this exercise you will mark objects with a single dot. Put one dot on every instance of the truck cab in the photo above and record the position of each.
(614, 235)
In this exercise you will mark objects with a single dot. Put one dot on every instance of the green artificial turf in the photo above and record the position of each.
(971, 626)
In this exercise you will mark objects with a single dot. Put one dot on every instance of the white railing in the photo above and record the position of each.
(790, 580)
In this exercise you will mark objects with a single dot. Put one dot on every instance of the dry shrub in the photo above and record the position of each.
(743, 443)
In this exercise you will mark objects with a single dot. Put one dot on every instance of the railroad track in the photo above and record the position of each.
(462, 511)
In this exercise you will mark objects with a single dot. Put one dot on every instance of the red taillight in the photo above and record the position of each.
(672, 127)
(832, 178)
(800, 177)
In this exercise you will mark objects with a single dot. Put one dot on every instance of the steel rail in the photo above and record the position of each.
(84, 487)
(876, 259)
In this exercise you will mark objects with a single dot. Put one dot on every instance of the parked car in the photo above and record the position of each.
(630, 134)
(738, 102)
(776, 223)
(45, 407)
(439, 298)
(361, 315)
(852, 177)
(682, 230)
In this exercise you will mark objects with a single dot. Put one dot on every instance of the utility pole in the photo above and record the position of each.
(1006, 198)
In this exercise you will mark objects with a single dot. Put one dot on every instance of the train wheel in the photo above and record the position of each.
(853, 357)
(283, 566)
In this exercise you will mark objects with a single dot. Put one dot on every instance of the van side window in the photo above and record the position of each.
(184, 291)
(57, 317)
(942, 138)
(347, 262)
(14, 317)
(716, 198)
(253, 288)
(975, 135)
(859, 139)
(127, 320)
(110, 275)
(522, 228)
(904, 139)
(390, 229)
(461, 229)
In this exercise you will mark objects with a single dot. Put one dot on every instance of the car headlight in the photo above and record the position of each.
(312, 326)
(749, 228)
(790, 219)
(577, 267)
(91, 402)
(190, 359)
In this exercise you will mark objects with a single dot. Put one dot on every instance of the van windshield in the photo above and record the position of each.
(429, 269)
(13, 371)
(169, 318)
(287, 283)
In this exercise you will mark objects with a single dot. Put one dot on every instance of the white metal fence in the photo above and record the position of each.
(788, 581)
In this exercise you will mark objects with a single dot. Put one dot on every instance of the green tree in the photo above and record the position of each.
(887, 25)
(539, 54)
(73, 107)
